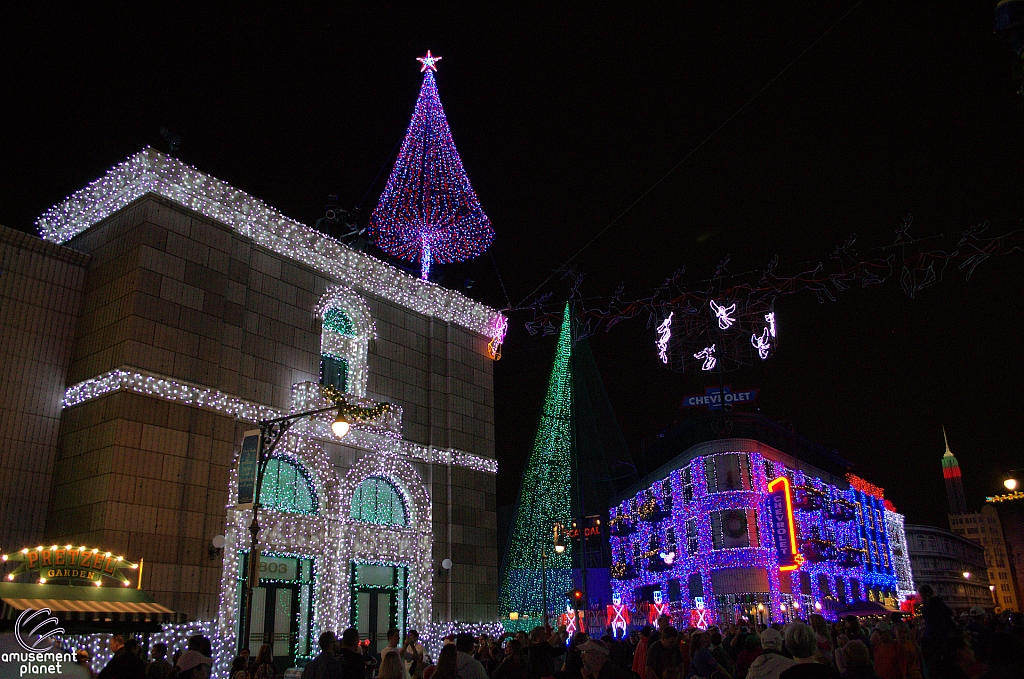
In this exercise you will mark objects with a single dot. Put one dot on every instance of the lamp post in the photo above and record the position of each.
(271, 433)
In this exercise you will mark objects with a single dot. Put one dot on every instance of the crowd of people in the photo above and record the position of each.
(933, 645)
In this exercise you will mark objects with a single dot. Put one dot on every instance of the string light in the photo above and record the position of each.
(379, 435)
(762, 344)
(497, 337)
(708, 354)
(664, 334)
(692, 498)
(544, 498)
(428, 211)
(724, 314)
(150, 171)
(770, 320)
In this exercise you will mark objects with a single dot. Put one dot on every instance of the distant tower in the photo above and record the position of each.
(954, 483)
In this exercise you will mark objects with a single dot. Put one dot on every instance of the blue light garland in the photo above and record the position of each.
(428, 211)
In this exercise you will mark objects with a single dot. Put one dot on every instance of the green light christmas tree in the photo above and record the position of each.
(544, 499)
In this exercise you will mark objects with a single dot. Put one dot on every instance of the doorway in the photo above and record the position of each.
(379, 603)
(274, 622)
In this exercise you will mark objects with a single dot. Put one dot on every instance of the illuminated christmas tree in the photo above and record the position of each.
(428, 211)
(544, 498)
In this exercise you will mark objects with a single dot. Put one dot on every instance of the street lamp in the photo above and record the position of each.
(271, 433)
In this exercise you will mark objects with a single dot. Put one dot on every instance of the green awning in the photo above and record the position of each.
(84, 603)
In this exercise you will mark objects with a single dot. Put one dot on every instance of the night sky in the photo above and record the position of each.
(563, 117)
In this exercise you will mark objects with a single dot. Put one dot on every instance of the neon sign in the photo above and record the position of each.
(69, 563)
(724, 314)
(780, 502)
(664, 334)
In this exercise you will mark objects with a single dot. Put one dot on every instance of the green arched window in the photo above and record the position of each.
(340, 322)
(287, 488)
(376, 500)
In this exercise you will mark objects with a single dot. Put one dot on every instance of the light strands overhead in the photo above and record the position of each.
(769, 318)
(428, 211)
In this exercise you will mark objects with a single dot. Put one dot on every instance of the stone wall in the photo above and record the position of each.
(173, 293)
(40, 291)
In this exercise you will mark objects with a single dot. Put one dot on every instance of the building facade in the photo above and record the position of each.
(985, 528)
(737, 527)
(953, 565)
(161, 317)
(1010, 508)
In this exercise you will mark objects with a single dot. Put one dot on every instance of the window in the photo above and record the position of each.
(334, 372)
(339, 321)
(727, 472)
(377, 501)
(734, 528)
(287, 488)
(692, 543)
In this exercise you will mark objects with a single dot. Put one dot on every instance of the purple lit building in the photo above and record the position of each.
(713, 535)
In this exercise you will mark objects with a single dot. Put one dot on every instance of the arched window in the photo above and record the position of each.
(376, 500)
(343, 347)
(287, 488)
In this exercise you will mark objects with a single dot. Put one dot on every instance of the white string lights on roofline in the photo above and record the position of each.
(150, 171)
(368, 436)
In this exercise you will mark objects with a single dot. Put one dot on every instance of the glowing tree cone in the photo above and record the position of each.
(544, 498)
(428, 211)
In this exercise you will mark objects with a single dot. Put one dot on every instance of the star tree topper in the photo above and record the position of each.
(428, 61)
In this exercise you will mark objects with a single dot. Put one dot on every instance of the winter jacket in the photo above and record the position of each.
(769, 665)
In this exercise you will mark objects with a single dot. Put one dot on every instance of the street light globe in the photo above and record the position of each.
(559, 548)
(340, 426)
(967, 574)
(1011, 484)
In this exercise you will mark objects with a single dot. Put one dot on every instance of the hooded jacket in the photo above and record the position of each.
(769, 665)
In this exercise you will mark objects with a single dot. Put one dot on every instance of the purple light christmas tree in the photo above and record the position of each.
(428, 211)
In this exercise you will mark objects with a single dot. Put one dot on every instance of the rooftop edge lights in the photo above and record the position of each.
(150, 171)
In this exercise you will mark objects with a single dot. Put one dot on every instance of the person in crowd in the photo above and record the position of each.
(158, 667)
(703, 662)
(413, 653)
(542, 651)
(469, 667)
(839, 655)
(957, 660)
(239, 668)
(192, 664)
(447, 663)
(84, 660)
(938, 625)
(721, 653)
(662, 623)
(350, 655)
(394, 636)
(573, 660)
(326, 665)
(750, 651)
(820, 626)
(392, 666)
(640, 653)
(264, 665)
(858, 662)
(771, 662)
(125, 664)
(597, 662)
(664, 654)
(802, 642)
(513, 665)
